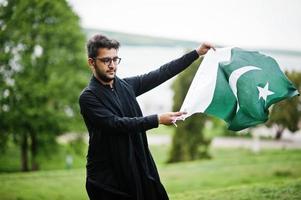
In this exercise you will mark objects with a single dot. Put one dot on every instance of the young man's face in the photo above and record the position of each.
(104, 65)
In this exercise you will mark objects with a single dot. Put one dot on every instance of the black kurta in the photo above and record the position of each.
(118, 157)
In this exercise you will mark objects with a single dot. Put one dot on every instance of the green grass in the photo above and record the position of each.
(234, 169)
(280, 190)
(230, 174)
(60, 184)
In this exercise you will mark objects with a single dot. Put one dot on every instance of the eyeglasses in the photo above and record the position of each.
(107, 60)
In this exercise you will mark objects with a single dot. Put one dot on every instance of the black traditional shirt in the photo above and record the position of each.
(118, 157)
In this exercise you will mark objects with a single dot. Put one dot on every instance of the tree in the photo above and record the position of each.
(41, 73)
(188, 142)
(287, 114)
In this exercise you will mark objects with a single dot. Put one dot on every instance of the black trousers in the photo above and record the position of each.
(96, 193)
(150, 192)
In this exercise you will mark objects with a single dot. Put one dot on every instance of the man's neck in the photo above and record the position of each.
(109, 83)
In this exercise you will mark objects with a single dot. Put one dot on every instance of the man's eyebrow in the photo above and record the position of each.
(109, 57)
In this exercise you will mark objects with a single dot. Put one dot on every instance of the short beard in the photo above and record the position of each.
(102, 76)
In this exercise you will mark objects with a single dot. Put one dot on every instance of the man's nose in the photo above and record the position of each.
(111, 64)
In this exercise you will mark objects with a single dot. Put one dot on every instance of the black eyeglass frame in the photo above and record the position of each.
(107, 60)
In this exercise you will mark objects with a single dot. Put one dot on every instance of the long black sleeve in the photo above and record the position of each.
(146, 82)
(101, 116)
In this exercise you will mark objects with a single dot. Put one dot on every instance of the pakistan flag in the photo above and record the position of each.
(237, 86)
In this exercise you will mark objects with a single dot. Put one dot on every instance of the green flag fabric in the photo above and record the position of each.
(237, 86)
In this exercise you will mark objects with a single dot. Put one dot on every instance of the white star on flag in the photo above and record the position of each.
(264, 92)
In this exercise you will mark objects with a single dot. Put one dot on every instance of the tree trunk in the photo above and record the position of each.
(34, 152)
(24, 153)
(279, 133)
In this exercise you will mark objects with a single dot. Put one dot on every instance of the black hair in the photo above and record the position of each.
(100, 41)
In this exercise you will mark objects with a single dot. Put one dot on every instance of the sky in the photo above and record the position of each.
(242, 23)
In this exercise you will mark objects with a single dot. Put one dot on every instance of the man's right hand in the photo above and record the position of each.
(170, 117)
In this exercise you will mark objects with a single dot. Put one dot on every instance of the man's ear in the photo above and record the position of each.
(91, 63)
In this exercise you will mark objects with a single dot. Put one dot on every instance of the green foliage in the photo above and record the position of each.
(217, 127)
(188, 141)
(78, 146)
(41, 72)
(161, 130)
(287, 113)
(56, 160)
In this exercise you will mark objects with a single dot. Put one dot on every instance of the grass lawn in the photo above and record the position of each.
(236, 174)
(230, 174)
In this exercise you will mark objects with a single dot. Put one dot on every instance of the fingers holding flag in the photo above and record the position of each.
(170, 117)
(204, 48)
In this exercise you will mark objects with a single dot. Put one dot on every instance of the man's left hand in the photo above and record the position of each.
(204, 48)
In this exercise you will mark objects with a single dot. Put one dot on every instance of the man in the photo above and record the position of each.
(119, 163)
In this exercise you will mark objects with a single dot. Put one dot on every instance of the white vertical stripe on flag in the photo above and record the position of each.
(201, 91)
